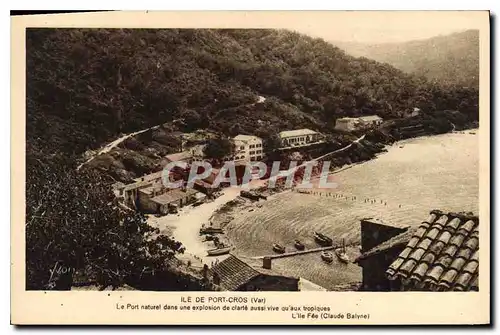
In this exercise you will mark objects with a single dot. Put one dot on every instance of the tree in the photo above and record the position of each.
(271, 143)
(219, 148)
(192, 120)
(74, 227)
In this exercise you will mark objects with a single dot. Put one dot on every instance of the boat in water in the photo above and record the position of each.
(323, 240)
(278, 248)
(327, 256)
(341, 253)
(298, 245)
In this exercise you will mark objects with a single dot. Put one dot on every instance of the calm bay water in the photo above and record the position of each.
(412, 178)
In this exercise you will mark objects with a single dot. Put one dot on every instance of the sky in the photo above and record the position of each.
(386, 27)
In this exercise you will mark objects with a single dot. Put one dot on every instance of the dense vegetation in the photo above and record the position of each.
(74, 231)
(87, 86)
(450, 59)
(218, 148)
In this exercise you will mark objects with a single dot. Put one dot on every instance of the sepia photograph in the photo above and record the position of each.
(280, 159)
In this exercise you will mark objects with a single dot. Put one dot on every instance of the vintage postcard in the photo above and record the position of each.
(251, 168)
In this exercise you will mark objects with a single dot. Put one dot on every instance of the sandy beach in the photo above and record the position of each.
(185, 226)
(396, 180)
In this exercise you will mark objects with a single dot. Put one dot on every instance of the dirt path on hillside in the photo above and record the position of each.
(108, 147)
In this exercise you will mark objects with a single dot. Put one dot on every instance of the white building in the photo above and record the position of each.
(358, 123)
(248, 148)
(369, 121)
(298, 137)
(346, 124)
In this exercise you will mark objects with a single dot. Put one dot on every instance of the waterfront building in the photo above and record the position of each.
(346, 124)
(358, 123)
(298, 137)
(167, 201)
(248, 148)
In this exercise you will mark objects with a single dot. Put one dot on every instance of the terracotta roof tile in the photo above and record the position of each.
(413, 241)
(390, 273)
(407, 266)
(420, 271)
(429, 258)
(437, 247)
(417, 254)
(474, 284)
(467, 227)
(445, 237)
(464, 253)
(457, 240)
(453, 224)
(433, 233)
(463, 279)
(475, 256)
(442, 254)
(425, 225)
(435, 273)
(449, 276)
(458, 264)
(425, 244)
(451, 250)
(472, 243)
(405, 253)
(420, 232)
(471, 267)
(432, 217)
(396, 264)
(445, 261)
(441, 220)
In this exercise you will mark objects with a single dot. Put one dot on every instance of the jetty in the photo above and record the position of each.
(298, 252)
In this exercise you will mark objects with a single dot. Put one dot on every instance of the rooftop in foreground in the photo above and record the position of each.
(442, 253)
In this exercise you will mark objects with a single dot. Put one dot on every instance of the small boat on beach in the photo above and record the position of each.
(323, 240)
(298, 245)
(327, 256)
(278, 248)
(211, 237)
(220, 250)
(210, 230)
(198, 203)
(341, 253)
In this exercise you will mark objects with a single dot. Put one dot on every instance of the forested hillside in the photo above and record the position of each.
(450, 59)
(87, 87)
(84, 87)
